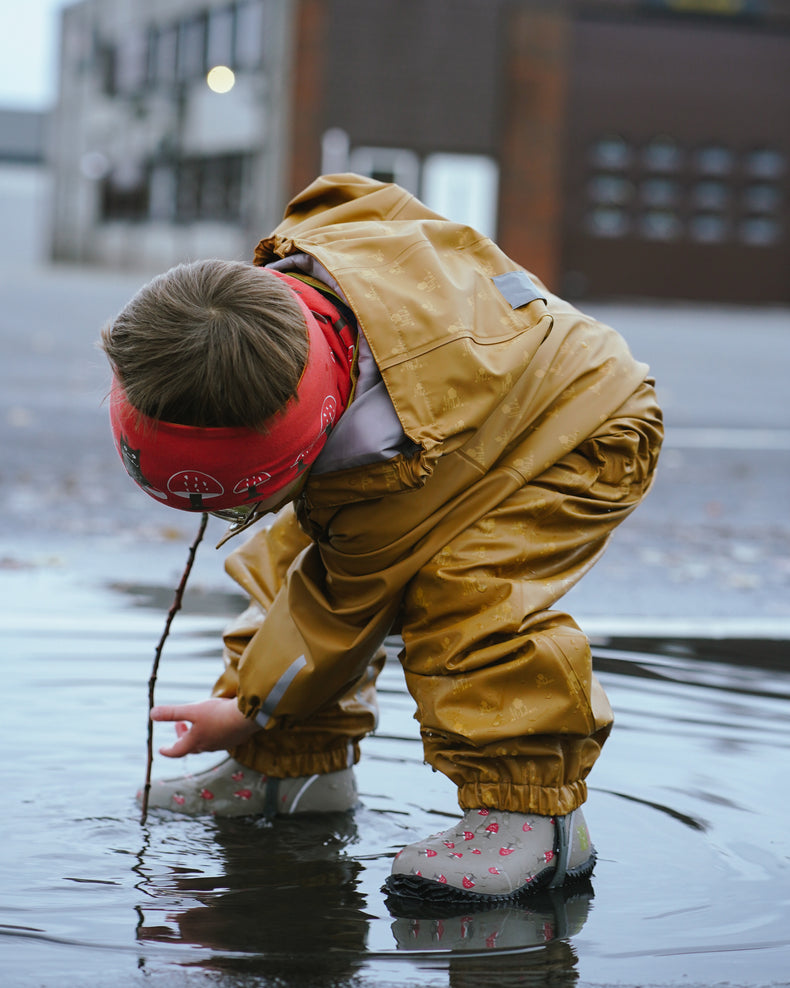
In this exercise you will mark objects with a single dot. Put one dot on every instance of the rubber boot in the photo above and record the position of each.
(231, 789)
(494, 856)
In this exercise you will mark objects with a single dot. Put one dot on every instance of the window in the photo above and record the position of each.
(188, 191)
(130, 64)
(191, 61)
(708, 228)
(659, 192)
(760, 231)
(766, 163)
(662, 155)
(710, 195)
(162, 192)
(207, 188)
(714, 160)
(464, 188)
(163, 44)
(220, 192)
(608, 222)
(762, 198)
(665, 192)
(219, 37)
(249, 35)
(387, 165)
(124, 193)
(610, 153)
(660, 224)
(613, 189)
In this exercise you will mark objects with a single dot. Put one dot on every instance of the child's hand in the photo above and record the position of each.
(217, 725)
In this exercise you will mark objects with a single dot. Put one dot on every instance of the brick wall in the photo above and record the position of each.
(532, 148)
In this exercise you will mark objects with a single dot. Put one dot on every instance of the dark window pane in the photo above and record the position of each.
(192, 48)
(760, 231)
(219, 41)
(709, 228)
(660, 224)
(662, 155)
(710, 195)
(608, 222)
(659, 192)
(766, 163)
(249, 34)
(611, 153)
(714, 160)
(610, 189)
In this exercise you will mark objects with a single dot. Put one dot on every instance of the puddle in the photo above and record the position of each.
(688, 808)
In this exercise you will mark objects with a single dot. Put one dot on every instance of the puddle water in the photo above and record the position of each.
(688, 808)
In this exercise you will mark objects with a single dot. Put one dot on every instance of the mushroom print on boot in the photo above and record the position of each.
(232, 789)
(494, 855)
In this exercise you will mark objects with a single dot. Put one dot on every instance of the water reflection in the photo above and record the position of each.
(284, 899)
(687, 808)
(531, 941)
(555, 966)
(284, 896)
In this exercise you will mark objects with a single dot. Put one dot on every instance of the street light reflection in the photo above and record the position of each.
(220, 79)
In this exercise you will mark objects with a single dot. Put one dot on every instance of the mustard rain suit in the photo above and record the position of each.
(537, 433)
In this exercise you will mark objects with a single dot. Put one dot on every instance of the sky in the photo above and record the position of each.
(28, 53)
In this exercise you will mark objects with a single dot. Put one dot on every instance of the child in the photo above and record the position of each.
(450, 446)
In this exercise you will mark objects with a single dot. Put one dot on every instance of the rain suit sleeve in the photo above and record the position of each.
(295, 648)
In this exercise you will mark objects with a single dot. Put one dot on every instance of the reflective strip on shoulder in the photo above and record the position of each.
(517, 288)
(277, 691)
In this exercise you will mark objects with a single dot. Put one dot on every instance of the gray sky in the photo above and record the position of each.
(28, 52)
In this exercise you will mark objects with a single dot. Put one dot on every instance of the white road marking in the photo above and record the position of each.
(683, 437)
(775, 628)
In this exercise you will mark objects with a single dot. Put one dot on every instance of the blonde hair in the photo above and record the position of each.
(209, 343)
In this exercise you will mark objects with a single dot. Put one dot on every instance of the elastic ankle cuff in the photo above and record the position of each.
(289, 765)
(543, 801)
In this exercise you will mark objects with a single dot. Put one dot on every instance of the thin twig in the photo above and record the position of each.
(174, 607)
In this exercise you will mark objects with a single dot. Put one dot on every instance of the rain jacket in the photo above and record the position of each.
(534, 433)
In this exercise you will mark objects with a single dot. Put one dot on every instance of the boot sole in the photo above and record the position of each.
(415, 887)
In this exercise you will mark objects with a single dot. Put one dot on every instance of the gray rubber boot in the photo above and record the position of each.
(231, 789)
(495, 856)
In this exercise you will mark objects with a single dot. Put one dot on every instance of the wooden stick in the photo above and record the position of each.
(174, 607)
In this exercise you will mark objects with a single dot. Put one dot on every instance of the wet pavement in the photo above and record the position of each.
(689, 613)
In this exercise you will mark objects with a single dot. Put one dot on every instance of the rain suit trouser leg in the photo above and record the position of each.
(508, 705)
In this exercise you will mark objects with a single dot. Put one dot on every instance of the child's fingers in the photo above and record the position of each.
(185, 743)
(177, 750)
(181, 712)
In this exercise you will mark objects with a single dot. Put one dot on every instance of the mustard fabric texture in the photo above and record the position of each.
(537, 433)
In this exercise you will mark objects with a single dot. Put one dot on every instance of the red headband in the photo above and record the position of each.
(199, 469)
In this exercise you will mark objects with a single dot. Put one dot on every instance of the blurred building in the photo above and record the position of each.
(24, 186)
(615, 147)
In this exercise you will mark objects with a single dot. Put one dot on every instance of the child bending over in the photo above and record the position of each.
(449, 447)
